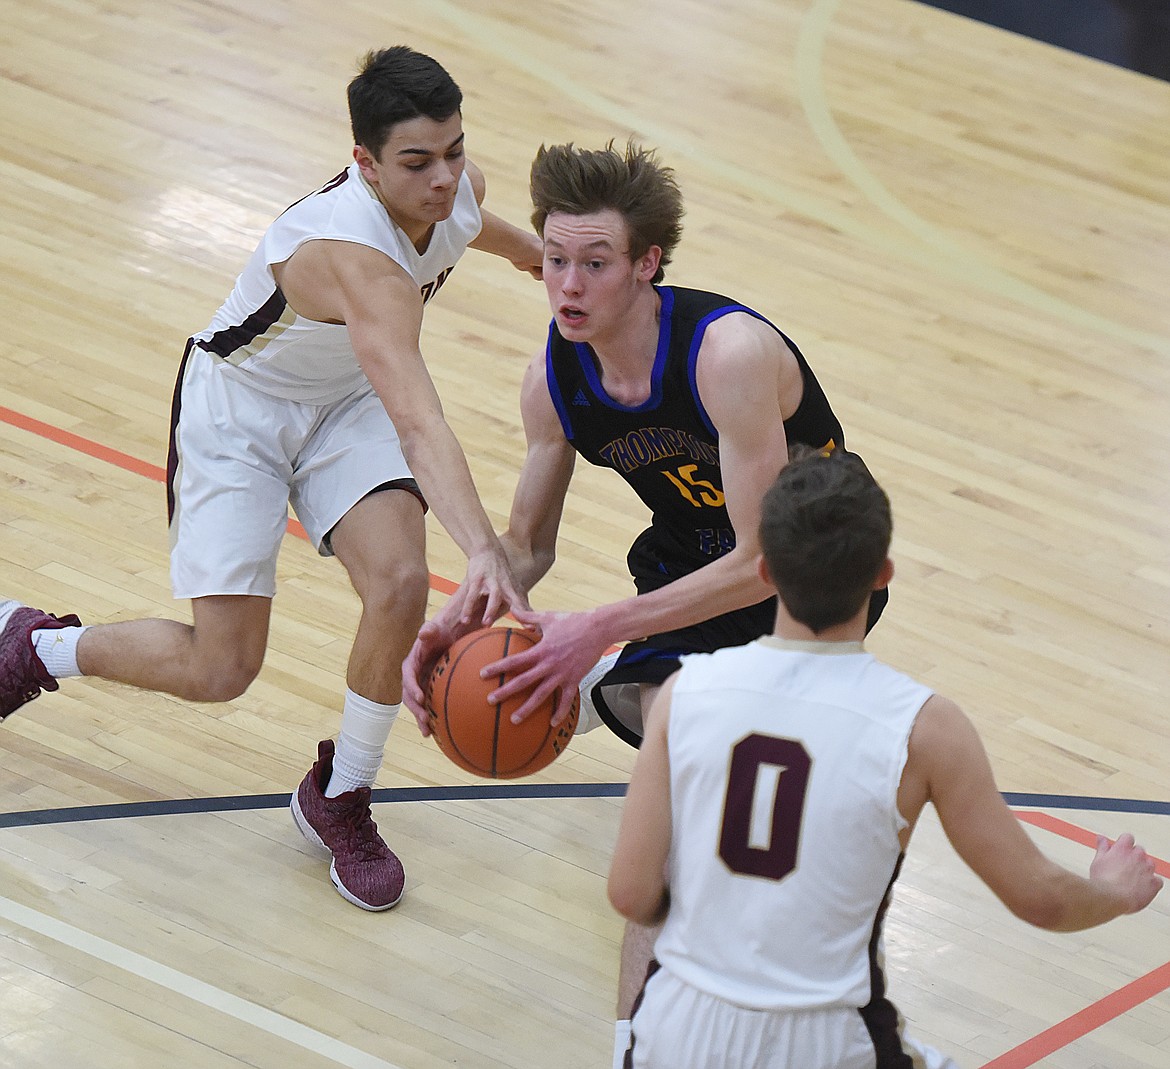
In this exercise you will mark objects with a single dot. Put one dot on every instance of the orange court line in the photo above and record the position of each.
(1077, 834)
(83, 445)
(1103, 1010)
(1085, 1021)
(141, 467)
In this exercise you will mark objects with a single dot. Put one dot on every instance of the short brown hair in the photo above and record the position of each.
(825, 531)
(634, 184)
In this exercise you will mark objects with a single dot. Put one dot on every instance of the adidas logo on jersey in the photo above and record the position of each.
(581, 399)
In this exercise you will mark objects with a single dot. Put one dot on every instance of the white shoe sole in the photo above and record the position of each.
(7, 608)
(304, 827)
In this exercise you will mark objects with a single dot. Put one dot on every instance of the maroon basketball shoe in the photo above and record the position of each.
(22, 675)
(364, 869)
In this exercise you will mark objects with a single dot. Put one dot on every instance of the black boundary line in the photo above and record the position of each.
(170, 807)
(475, 793)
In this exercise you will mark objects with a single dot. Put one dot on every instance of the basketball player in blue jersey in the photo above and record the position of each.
(770, 954)
(308, 387)
(694, 400)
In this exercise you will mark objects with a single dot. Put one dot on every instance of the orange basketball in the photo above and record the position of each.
(477, 735)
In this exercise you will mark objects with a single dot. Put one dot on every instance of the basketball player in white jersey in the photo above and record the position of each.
(308, 387)
(763, 765)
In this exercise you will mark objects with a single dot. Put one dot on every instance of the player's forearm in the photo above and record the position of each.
(529, 563)
(501, 238)
(725, 585)
(1058, 900)
(439, 466)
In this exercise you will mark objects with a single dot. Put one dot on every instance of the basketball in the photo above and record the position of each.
(477, 735)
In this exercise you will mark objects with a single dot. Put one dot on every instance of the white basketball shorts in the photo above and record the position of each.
(241, 457)
(679, 1027)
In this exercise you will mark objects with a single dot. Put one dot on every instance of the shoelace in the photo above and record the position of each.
(363, 837)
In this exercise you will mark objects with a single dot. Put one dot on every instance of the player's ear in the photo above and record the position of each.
(647, 264)
(762, 570)
(884, 575)
(365, 161)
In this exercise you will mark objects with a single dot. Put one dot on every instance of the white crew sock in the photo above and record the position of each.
(365, 727)
(621, 1043)
(57, 649)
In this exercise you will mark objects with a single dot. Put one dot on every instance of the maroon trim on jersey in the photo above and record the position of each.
(881, 1017)
(332, 184)
(173, 437)
(225, 342)
(651, 969)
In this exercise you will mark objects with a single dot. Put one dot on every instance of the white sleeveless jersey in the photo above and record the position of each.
(280, 353)
(785, 761)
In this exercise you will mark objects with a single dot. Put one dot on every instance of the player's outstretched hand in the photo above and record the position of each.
(485, 594)
(1128, 868)
(488, 590)
(531, 260)
(433, 638)
(568, 648)
(536, 270)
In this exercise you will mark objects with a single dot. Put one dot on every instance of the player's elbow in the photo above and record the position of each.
(621, 896)
(640, 903)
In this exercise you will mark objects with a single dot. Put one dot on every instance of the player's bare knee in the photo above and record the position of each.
(227, 682)
(226, 679)
(398, 590)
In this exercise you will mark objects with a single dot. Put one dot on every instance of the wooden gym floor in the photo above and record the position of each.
(966, 233)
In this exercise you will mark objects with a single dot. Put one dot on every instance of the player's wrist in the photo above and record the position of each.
(609, 623)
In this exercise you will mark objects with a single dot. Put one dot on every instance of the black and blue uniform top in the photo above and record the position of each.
(667, 448)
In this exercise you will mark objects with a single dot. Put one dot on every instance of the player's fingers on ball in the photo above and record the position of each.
(412, 667)
(525, 711)
(511, 686)
(510, 666)
(536, 700)
(527, 708)
(530, 618)
(472, 604)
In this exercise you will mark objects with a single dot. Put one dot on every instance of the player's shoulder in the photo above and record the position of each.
(535, 396)
(942, 734)
(741, 337)
(536, 371)
(477, 180)
(740, 365)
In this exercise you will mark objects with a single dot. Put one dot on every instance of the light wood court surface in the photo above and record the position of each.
(965, 231)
